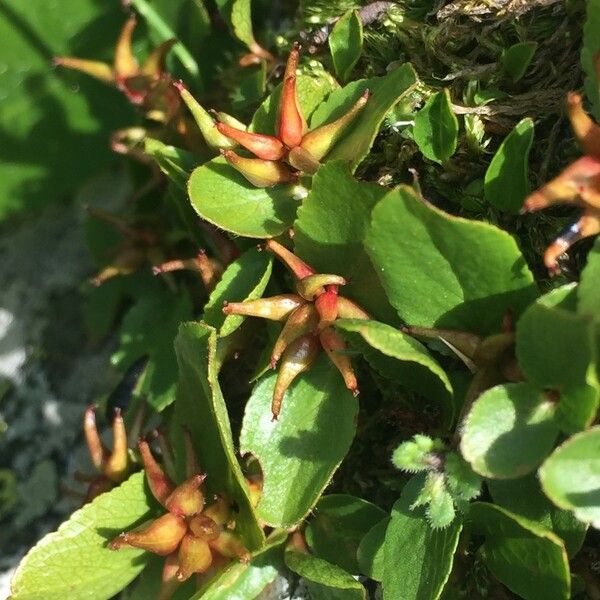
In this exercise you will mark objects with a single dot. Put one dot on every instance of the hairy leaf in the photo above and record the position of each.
(297, 453)
(546, 334)
(59, 565)
(244, 279)
(340, 521)
(528, 559)
(319, 573)
(386, 92)
(449, 272)
(201, 409)
(222, 196)
(329, 232)
(509, 431)
(524, 497)
(571, 476)
(418, 559)
(370, 553)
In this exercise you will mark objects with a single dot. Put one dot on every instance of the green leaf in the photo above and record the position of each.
(509, 431)
(507, 177)
(516, 59)
(313, 86)
(370, 553)
(247, 580)
(449, 272)
(237, 14)
(149, 328)
(297, 453)
(59, 565)
(591, 45)
(588, 291)
(524, 497)
(175, 163)
(339, 523)
(322, 573)
(436, 128)
(244, 279)
(223, 197)
(418, 559)
(546, 334)
(201, 409)
(54, 122)
(528, 559)
(571, 476)
(386, 92)
(328, 234)
(345, 43)
(400, 356)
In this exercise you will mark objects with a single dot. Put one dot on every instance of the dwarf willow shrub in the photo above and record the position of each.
(385, 393)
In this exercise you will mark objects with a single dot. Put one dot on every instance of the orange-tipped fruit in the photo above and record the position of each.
(292, 125)
(302, 321)
(276, 308)
(334, 346)
(297, 358)
(296, 265)
(161, 536)
(194, 557)
(160, 484)
(314, 285)
(322, 139)
(260, 173)
(187, 500)
(266, 147)
(117, 463)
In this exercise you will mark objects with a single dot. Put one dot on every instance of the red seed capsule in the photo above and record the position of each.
(296, 265)
(186, 500)
(194, 557)
(586, 131)
(266, 147)
(314, 285)
(292, 125)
